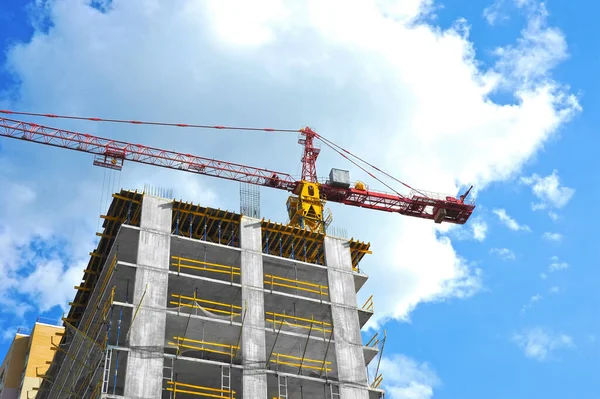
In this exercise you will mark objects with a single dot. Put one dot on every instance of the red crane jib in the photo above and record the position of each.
(446, 209)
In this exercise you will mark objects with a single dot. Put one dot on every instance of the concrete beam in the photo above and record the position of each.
(143, 377)
(349, 353)
(254, 354)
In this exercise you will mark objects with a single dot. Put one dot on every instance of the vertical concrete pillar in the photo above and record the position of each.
(143, 377)
(254, 355)
(349, 354)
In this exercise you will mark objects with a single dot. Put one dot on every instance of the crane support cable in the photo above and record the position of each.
(331, 144)
(134, 122)
(340, 150)
(363, 169)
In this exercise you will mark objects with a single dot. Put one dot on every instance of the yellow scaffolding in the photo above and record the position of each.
(205, 346)
(230, 309)
(369, 306)
(287, 360)
(192, 264)
(298, 284)
(374, 341)
(283, 318)
(377, 381)
(199, 390)
(125, 208)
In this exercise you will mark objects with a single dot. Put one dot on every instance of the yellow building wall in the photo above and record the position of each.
(28, 391)
(40, 353)
(18, 351)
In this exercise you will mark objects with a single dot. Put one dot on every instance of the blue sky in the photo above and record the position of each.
(503, 307)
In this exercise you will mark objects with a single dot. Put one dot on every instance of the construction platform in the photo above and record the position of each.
(183, 301)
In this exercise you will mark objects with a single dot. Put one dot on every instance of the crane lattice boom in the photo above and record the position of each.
(112, 153)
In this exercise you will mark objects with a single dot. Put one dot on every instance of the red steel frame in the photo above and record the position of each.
(447, 209)
(309, 157)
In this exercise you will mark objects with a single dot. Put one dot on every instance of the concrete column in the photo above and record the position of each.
(143, 378)
(349, 354)
(254, 355)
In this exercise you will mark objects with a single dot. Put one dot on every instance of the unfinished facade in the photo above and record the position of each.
(182, 301)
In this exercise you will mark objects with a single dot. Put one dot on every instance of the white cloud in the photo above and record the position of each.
(543, 276)
(495, 13)
(405, 378)
(552, 236)
(476, 229)
(503, 253)
(8, 334)
(51, 283)
(368, 79)
(549, 191)
(539, 344)
(509, 221)
(479, 228)
(539, 49)
(557, 264)
(553, 215)
(531, 302)
(554, 290)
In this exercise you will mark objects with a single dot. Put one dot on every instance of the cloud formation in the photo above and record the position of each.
(405, 378)
(548, 190)
(377, 77)
(535, 298)
(509, 222)
(552, 236)
(557, 264)
(540, 344)
(504, 253)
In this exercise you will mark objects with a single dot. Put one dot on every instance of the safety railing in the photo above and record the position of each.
(88, 324)
(300, 362)
(373, 342)
(204, 346)
(276, 281)
(369, 306)
(192, 264)
(198, 390)
(213, 306)
(377, 381)
(315, 325)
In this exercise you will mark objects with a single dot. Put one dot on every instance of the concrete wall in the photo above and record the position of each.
(254, 378)
(143, 377)
(346, 328)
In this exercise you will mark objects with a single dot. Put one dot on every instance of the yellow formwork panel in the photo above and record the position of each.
(291, 242)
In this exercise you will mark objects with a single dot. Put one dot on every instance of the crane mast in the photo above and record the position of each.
(308, 196)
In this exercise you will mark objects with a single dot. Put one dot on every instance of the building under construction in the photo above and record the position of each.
(180, 300)
(183, 301)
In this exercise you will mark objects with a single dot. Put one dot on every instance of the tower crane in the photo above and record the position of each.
(308, 196)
